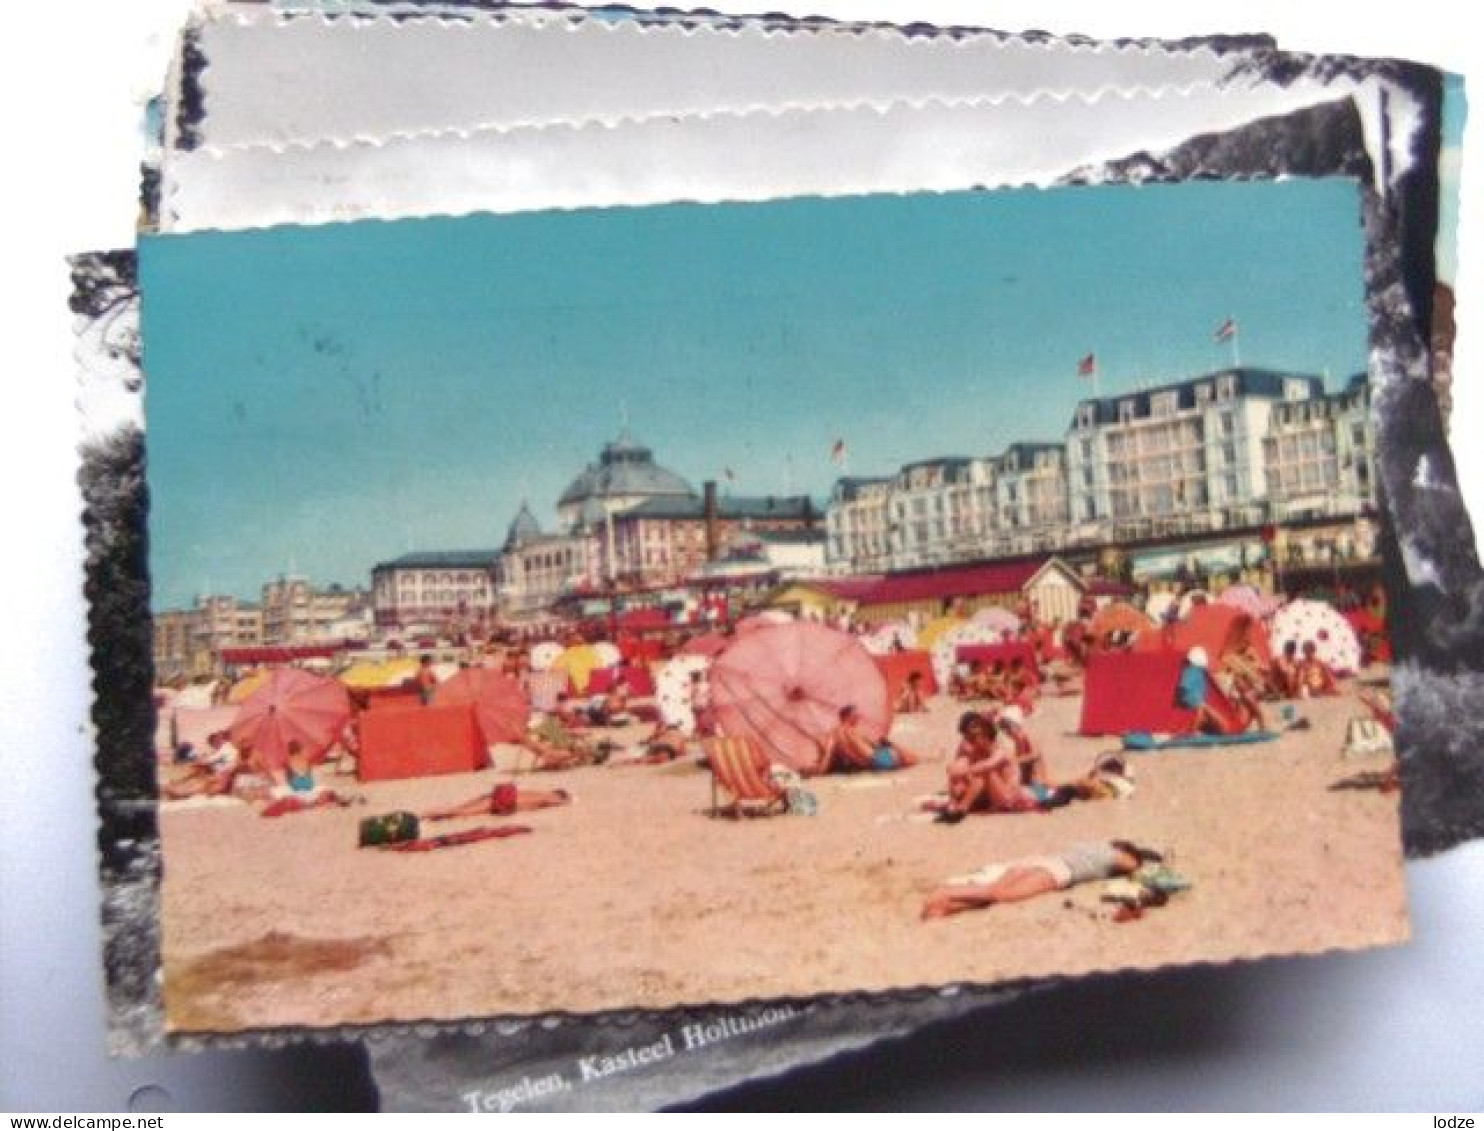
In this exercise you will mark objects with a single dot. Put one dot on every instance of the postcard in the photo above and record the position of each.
(628, 608)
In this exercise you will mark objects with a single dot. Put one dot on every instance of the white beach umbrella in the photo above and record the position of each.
(672, 691)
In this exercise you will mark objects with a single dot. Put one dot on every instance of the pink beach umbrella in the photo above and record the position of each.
(501, 707)
(783, 686)
(999, 619)
(292, 706)
(1243, 597)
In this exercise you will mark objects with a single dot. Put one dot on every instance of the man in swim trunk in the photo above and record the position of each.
(501, 801)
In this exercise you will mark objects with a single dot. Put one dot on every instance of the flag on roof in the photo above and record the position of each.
(1227, 330)
(1088, 366)
(837, 453)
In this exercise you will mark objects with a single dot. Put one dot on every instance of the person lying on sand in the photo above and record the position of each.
(1031, 876)
(849, 750)
(501, 801)
(209, 776)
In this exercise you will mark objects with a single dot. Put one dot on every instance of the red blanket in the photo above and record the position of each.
(1135, 691)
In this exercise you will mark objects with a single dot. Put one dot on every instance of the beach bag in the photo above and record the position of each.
(1365, 737)
(389, 828)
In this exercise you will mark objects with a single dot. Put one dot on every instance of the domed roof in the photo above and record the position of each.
(624, 468)
(523, 527)
(593, 514)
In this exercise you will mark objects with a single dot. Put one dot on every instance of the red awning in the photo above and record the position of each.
(279, 654)
(938, 584)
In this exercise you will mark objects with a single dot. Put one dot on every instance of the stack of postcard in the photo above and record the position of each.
(632, 551)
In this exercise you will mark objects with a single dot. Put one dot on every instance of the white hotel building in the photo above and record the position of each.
(1235, 448)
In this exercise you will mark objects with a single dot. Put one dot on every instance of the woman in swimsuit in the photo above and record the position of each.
(1031, 876)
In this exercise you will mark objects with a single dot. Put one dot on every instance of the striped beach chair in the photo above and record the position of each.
(739, 771)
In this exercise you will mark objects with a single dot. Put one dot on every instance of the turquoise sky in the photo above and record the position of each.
(1455, 114)
(322, 398)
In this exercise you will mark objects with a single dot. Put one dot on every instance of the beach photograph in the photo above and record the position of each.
(582, 611)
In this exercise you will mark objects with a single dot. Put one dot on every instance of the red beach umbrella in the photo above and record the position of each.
(292, 706)
(500, 705)
(784, 685)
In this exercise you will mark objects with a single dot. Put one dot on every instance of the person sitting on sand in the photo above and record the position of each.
(567, 713)
(1284, 673)
(665, 743)
(911, 700)
(296, 785)
(1193, 691)
(848, 749)
(1021, 687)
(997, 685)
(701, 705)
(968, 680)
(503, 800)
(208, 776)
(1016, 743)
(1314, 678)
(1031, 876)
(1076, 638)
(982, 778)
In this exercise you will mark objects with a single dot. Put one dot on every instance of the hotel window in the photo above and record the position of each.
(1163, 404)
(1125, 411)
(1226, 388)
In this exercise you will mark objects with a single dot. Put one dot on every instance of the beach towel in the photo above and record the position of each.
(1145, 743)
(454, 840)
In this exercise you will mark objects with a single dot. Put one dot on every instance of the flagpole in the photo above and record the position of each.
(1237, 346)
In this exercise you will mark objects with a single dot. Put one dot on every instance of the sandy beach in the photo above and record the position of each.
(634, 897)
